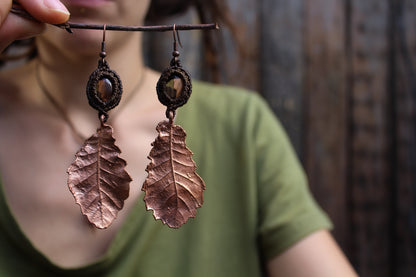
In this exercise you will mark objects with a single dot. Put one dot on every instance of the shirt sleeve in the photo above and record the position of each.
(287, 210)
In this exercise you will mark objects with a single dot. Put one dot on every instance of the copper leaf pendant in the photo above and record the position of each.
(97, 178)
(172, 189)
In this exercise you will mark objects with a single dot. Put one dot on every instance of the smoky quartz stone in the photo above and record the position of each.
(174, 87)
(105, 89)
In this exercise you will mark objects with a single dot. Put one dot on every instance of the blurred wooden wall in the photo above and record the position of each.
(341, 76)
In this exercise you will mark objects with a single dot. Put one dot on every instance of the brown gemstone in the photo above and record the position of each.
(174, 87)
(104, 89)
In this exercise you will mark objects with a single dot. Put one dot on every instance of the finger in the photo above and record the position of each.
(5, 6)
(16, 27)
(48, 11)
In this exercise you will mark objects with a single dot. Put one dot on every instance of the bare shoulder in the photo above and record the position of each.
(318, 254)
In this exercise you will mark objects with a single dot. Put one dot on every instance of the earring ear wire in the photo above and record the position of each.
(176, 38)
(103, 54)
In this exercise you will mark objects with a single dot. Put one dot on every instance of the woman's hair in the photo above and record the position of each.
(212, 11)
(208, 12)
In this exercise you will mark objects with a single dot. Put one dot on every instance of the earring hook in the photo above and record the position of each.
(176, 38)
(103, 54)
(104, 29)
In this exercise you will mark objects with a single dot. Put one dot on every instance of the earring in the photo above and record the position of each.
(173, 190)
(97, 178)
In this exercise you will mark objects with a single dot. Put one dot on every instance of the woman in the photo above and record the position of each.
(257, 214)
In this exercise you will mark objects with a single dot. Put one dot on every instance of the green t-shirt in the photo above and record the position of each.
(256, 202)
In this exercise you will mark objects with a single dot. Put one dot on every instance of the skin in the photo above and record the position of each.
(38, 195)
(38, 140)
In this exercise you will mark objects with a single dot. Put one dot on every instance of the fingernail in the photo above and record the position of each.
(55, 5)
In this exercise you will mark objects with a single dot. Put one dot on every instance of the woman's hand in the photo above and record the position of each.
(14, 27)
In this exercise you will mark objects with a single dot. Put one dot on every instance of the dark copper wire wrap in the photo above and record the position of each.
(173, 103)
(103, 71)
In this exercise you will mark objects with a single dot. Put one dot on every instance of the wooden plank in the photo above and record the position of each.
(370, 169)
(325, 109)
(282, 63)
(404, 88)
(241, 68)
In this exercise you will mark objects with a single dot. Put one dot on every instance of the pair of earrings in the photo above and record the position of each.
(97, 178)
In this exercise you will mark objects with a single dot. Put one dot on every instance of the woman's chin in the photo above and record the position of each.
(80, 41)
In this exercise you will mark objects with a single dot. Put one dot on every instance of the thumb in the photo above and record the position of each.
(47, 11)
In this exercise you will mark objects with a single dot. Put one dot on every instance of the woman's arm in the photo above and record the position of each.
(317, 255)
(13, 27)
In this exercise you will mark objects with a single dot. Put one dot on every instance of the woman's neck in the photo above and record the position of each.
(66, 73)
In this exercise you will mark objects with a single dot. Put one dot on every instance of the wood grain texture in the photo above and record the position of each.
(241, 66)
(403, 86)
(281, 62)
(325, 100)
(370, 142)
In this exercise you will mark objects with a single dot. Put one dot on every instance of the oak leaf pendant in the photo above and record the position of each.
(97, 178)
(173, 190)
